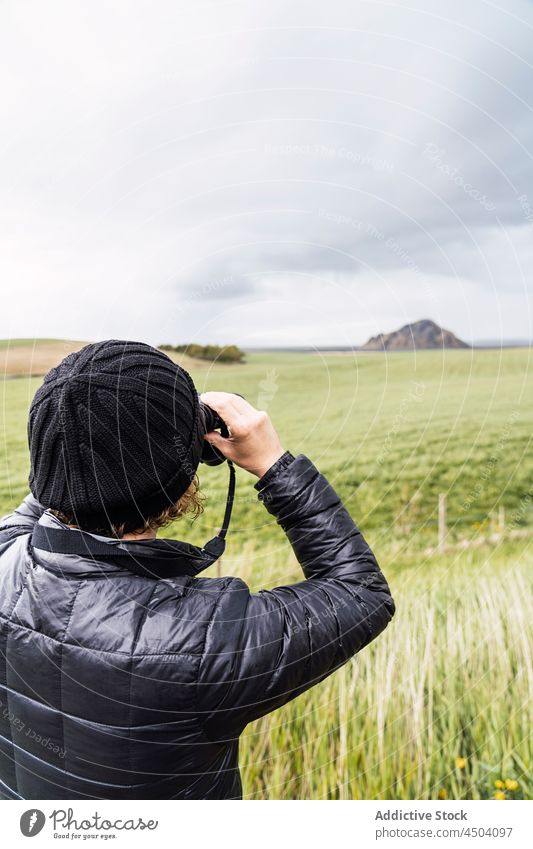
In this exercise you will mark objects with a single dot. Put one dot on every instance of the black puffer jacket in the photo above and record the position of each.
(115, 685)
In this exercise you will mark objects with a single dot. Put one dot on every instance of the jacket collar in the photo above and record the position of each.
(66, 551)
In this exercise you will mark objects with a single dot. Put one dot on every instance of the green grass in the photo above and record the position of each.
(451, 676)
(391, 432)
(25, 343)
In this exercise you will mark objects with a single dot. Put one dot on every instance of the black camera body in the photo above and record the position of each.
(212, 421)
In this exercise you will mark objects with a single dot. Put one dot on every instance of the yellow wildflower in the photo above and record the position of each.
(499, 785)
(499, 795)
(511, 784)
(443, 793)
(460, 763)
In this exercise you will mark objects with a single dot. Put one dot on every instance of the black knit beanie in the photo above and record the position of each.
(115, 435)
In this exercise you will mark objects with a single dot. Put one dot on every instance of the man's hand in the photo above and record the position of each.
(253, 443)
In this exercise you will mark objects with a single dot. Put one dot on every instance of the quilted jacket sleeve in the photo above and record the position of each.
(263, 649)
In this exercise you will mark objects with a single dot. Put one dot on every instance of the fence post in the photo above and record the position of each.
(442, 520)
(219, 567)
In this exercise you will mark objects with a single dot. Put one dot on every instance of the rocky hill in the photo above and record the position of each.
(418, 336)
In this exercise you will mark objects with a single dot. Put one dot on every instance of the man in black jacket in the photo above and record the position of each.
(122, 674)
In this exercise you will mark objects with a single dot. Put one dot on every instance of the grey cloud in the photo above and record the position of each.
(200, 156)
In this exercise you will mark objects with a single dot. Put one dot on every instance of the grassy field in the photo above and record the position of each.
(452, 676)
(28, 357)
(391, 432)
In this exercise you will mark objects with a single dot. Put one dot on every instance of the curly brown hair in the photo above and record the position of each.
(190, 503)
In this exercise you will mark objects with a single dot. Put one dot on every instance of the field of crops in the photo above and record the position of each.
(441, 703)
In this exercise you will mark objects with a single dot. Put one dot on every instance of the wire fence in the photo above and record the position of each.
(469, 529)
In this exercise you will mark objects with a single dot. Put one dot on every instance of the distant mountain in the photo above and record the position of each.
(417, 336)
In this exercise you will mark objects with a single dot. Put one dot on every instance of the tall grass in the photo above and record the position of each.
(450, 678)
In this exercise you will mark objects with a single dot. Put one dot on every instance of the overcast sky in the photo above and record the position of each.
(265, 173)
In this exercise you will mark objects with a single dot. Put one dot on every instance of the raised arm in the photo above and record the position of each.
(264, 649)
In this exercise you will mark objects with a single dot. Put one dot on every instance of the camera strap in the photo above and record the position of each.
(216, 546)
